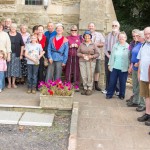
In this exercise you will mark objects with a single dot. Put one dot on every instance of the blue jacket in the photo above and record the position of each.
(60, 55)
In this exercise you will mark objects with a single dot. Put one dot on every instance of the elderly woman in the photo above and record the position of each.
(87, 53)
(26, 39)
(118, 65)
(57, 54)
(137, 101)
(72, 66)
(17, 46)
(5, 44)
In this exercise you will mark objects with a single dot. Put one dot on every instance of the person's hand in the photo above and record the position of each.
(63, 65)
(75, 45)
(90, 56)
(130, 70)
(109, 68)
(8, 59)
(108, 56)
(21, 57)
(86, 57)
(149, 86)
(51, 61)
(136, 65)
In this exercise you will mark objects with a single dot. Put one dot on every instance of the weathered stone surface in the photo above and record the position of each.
(36, 119)
(56, 102)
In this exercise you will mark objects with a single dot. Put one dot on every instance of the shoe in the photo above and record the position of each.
(97, 88)
(88, 92)
(104, 92)
(34, 91)
(14, 86)
(83, 92)
(0, 90)
(130, 99)
(121, 97)
(144, 118)
(108, 97)
(140, 108)
(117, 93)
(131, 104)
(147, 123)
(29, 91)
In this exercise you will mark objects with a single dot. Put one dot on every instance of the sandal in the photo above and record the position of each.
(14, 86)
(9, 86)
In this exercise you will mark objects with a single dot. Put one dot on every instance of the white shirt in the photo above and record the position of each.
(144, 56)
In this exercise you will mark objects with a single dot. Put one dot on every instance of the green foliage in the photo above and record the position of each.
(132, 14)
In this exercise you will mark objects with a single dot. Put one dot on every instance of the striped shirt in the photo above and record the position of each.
(110, 41)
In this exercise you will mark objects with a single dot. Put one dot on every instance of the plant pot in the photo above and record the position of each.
(56, 102)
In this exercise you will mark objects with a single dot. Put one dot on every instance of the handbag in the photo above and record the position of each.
(45, 61)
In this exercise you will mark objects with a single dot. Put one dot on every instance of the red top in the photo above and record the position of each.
(58, 43)
(42, 41)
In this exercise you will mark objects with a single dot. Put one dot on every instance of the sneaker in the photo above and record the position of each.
(34, 91)
(0, 90)
(29, 91)
(104, 92)
(144, 118)
(147, 123)
(89, 92)
(117, 93)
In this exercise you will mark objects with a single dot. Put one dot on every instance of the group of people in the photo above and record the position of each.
(25, 55)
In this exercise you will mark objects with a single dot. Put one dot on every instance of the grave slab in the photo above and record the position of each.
(10, 117)
(36, 119)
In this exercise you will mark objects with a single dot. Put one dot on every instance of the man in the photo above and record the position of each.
(8, 23)
(99, 40)
(137, 101)
(110, 40)
(144, 57)
(51, 31)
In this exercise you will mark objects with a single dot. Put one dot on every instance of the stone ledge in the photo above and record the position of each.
(73, 127)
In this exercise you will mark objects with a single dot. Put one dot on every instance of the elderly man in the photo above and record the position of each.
(99, 40)
(137, 101)
(144, 57)
(8, 23)
(110, 40)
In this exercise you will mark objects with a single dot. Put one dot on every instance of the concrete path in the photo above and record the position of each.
(109, 125)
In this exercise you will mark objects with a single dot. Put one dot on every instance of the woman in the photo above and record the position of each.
(87, 53)
(35, 30)
(17, 46)
(5, 45)
(137, 101)
(57, 54)
(41, 40)
(72, 66)
(26, 39)
(118, 65)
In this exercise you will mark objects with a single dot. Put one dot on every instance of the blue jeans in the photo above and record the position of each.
(32, 75)
(115, 74)
(2, 79)
(54, 71)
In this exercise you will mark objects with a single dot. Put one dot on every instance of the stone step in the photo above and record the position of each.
(26, 118)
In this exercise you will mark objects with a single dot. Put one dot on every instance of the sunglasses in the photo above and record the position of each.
(73, 30)
(114, 25)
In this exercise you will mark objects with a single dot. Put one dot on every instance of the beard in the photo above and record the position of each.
(115, 30)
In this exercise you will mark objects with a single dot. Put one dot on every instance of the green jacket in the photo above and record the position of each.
(125, 57)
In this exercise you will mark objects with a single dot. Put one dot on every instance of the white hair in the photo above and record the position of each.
(141, 34)
(116, 22)
(136, 31)
(13, 25)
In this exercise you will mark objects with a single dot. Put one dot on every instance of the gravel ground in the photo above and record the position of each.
(13, 137)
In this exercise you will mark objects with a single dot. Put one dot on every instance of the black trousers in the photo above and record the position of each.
(107, 72)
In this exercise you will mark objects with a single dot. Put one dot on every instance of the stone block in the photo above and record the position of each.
(36, 119)
(9, 117)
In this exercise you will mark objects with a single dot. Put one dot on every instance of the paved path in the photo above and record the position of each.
(103, 124)
(109, 125)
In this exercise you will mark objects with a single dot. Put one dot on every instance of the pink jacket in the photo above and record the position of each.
(3, 65)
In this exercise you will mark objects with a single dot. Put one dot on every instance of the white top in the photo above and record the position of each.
(33, 51)
(97, 38)
(5, 43)
(144, 56)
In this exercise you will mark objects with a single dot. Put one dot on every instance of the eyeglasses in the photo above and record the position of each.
(114, 25)
(73, 30)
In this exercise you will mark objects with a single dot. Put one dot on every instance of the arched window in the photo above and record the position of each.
(33, 2)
